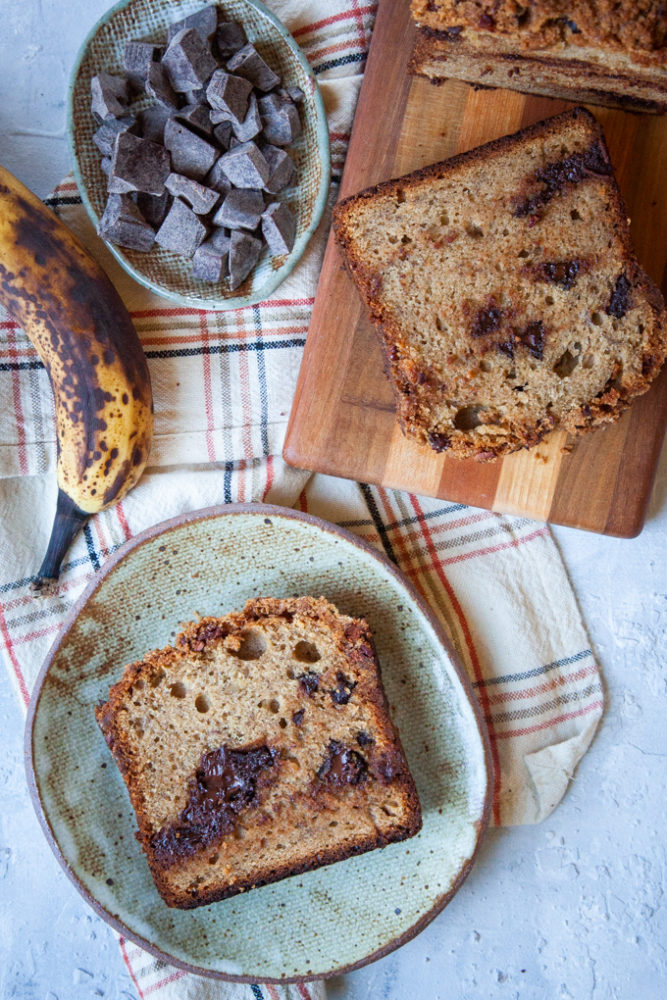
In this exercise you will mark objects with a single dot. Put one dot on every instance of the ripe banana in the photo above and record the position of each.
(83, 334)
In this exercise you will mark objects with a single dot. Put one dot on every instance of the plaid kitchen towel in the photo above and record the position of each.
(223, 385)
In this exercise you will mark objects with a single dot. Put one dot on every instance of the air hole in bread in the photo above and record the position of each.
(485, 366)
(472, 229)
(283, 723)
(213, 860)
(596, 319)
(178, 690)
(202, 703)
(405, 240)
(306, 652)
(444, 219)
(566, 364)
(156, 679)
(253, 646)
(468, 417)
(400, 196)
(574, 214)
(274, 706)
(138, 685)
(549, 300)
(523, 254)
(588, 361)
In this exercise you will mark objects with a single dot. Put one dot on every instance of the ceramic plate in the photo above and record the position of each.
(160, 270)
(311, 925)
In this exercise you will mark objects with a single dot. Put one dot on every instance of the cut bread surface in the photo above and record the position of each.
(258, 747)
(506, 291)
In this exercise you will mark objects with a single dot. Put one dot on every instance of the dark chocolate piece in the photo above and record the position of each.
(151, 122)
(105, 137)
(281, 166)
(242, 208)
(217, 179)
(190, 154)
(280, 120)
(137, 59)
(341, 694)
(248, 63)
(533, 337)
(229, 93)
(342, 766)
(109, 96)
(154, 207)
(123, 223)
(619, 302)
(182, 231)
(561, 272)
(486, 321)
(196, 117)
(279, 228)
(229, 38)
(204, 21)
(225, 783)
(159, 87)
(138, 165)
(245, 166)
(207, 263)
(309, 682)
(251, 124)
(201, 200)
(223, 134)
(188, 61)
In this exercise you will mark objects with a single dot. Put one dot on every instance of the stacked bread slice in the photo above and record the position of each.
(594, 51)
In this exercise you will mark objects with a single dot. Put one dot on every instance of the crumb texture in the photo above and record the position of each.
(506, 291)
(257, 747)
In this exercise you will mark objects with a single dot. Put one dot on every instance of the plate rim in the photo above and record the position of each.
(265, 510)
(232, 302)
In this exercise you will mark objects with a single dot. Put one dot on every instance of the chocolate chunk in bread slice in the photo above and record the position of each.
(259, 746)
(506, 291)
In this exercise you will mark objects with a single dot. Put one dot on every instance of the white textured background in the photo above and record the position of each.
(568, 910)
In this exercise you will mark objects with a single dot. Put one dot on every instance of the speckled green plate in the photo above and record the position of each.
(311, 925)
(160, 270)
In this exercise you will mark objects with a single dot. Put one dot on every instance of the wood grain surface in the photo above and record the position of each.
(342, 421)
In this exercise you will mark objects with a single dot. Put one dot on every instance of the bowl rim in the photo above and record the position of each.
(261, 510)
(323, 147)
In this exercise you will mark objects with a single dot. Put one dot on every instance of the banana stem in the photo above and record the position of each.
(67, 523)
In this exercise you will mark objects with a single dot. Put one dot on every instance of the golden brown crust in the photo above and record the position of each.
(415, 396)
(196, 647)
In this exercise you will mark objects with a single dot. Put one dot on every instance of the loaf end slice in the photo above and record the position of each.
(505, 290)
(257, 747)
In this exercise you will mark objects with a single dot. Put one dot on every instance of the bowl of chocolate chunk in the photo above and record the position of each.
(200, 147)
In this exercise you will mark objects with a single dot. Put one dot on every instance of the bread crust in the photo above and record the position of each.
(412, 399)
(198, 639)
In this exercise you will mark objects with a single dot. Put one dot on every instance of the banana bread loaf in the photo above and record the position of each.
(599, 51)
(506, 291)
(258, 747)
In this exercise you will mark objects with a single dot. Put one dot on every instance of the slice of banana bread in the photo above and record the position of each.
(506, 291)
(258, 747)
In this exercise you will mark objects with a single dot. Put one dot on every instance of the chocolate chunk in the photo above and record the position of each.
(282, 170)
(123, 223)
(244, 251)
(151, 122)
(242, 208)
(280, 120)
(217, 179)
(196, 117)
(229, 38)
(188, 61)
(105, 137)
(486, 321)
(219, 241)
(297, 718)
(248, 63)
(563, 173)
(245, 166)
(294, 93)
(229, 93)
(619, 303)
(251, 124)
(105, 165)
(342, 766)
(196, 96)
(204, 21)
(561, 272)
(225, 783)
(201, 200)
(223, 134)
(159, 87)
(439, 441)
(190, 154)
(364, 740)
(137, 59)
(138, 165)
(341, 694)
(533, 337)
(109, 96)
(154, 207)
(279, 228)
(182, 231)
(207, 263)
(309, 682)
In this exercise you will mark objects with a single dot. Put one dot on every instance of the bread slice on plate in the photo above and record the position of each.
(506, 291)
(602, 53)
(259, 746)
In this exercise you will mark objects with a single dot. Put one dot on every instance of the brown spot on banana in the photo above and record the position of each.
(83, 333)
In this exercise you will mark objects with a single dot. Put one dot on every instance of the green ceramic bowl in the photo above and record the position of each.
(160, 270)
(313, 925)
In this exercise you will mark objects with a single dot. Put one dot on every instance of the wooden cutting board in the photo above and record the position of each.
(342, 421)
